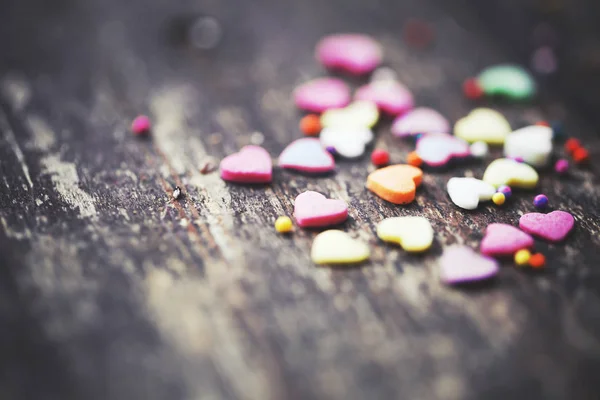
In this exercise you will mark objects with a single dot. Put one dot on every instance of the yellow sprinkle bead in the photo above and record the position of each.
(522, 257)
(498, 198)
(283, 224)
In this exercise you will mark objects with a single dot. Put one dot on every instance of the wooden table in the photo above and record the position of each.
(112, 290)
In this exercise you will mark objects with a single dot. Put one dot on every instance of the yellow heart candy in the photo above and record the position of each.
(337, 247)
(505, 171)
(414, 234)
(483, 125)
(358, 114)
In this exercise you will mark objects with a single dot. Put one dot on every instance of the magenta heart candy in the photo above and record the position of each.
(307, 155)
(554, 226)
(437, 149)
(504, 240)
(353, 53)
(420, 120)
(251, 165)
(460, 264)
(322, 94)
(391, 97)
(312, 209)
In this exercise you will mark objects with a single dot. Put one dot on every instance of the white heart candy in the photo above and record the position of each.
(468, 192)
(348, 142)
(533, 144)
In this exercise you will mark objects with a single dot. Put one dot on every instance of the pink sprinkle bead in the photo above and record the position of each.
(140, 125)
(321, 94)
(354, 53)
(561, 166)
(392, 97)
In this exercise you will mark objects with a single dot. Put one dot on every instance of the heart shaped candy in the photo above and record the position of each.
(420, 120)
(533, 144)
(312, 209)
(396, 183)
(307, 155)
(321, 94)
(482, 125)
(505, 171)
(437, 149)
(354, 53)
(554, 226)
(468, 192)
(358, 114)
(392, 97)
(504, 240)
(337, 247)
(460, 264)
(251, 165)
(348, 142)
(414, 234)
(510, 81)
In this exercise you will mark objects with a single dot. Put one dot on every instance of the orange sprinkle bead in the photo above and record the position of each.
(580, 155)
(310, 125)
(414, 159)
(571, 145)
(472, 89)
(537, 261)
(543, 123)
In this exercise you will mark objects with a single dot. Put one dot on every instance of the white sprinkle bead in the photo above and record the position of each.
(479, 149)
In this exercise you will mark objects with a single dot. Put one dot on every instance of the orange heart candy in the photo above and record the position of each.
(396, 183)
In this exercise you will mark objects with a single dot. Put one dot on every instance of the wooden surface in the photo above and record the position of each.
(111, 290)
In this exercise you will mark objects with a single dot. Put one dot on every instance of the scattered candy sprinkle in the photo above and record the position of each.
(522, 257)
(537, 261)
(540, 201)
(310, 124)
(561, 166)
(414, 159)
(380, 157)
(580, 155)
(472, 89)
(413, 234)
(506, 190)
(571, 145)
(498, 198)
(479, 149)
(337, 247)
(283, 224)
(141, 125)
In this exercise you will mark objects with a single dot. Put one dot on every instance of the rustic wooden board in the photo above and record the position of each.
(112, 290)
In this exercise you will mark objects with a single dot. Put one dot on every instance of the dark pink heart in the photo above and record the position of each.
(391, 97)
(504, 240)
(460, 264)
(307, 155)
(554, 226)
(251, 165)
(312, 209)
(322, 94)
(437, 149)
(354, 53)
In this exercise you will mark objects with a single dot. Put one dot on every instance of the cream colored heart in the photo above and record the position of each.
(533, 144)
(505, 171)
(337, 247)
(468, 192)
(358, 114)
(348, 142)
(483, 125)
(413, 234)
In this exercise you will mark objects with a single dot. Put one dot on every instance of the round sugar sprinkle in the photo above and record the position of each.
(283, 224)
(561, 166)
(141, 125)
(571, 145)
(540, 201)
(331, 150)
(498, 198)
(380, 157)
(537, 260)
(580, 155)
(506, 190)
(479, 149)
(522, 257)
(472, 89)
(310, 124)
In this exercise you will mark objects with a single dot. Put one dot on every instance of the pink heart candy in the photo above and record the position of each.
(353, 53)
(307, 155)
(460, 264)
(251, 165)
(312, 209)
(554, 226)
(437, 149)
(391, 96)
(420, 120)
(322, 94)
(504, 240)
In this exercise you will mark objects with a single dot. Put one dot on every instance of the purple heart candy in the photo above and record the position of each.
(460, 264)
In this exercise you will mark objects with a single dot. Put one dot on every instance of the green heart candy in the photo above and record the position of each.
(510, 81)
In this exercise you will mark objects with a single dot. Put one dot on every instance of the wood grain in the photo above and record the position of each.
(112, 290)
